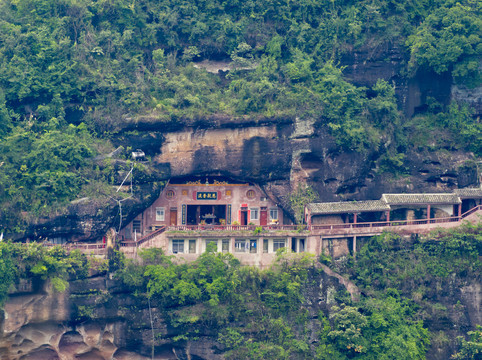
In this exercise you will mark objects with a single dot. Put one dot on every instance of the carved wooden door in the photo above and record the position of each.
(263, 217)
(173, 217)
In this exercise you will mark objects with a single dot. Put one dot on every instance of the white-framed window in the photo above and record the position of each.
(225, 245)
(273, 214)
(192, 246)
(241, 245)
(254, 213)
(177, 246)
(278, 244)
(160, 214)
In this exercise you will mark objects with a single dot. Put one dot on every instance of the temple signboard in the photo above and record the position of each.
(207, 195)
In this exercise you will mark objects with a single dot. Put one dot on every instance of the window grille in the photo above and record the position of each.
(278, 244)
(160, 214)
(177, 246)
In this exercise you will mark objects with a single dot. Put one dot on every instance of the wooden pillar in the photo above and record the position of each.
(460, 210)
(388, 216)
(428, 212)
(355, 217)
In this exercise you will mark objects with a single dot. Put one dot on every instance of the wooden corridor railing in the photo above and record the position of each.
(327, 229)
(319, 228)
(397, 223)
(79, 246)
(471, 211)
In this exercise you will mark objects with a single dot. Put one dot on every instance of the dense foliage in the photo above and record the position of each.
(264, 314)
(289, 311)
(110, 63)
(472, 349)
(425, 274)
(35, 263)
(449, 39)
(406, 264)
(303, 195)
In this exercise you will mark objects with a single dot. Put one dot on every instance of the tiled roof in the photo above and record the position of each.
(347, 207)
(393, 199)
(468, 193)
(413, 199)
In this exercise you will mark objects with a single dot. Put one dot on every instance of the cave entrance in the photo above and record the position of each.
(210, 214)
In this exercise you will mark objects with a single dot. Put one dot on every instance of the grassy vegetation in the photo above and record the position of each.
(426, 274)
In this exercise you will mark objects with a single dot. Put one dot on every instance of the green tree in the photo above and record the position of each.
(348, 332)
(449, 39)
(471, 349)
(302, 196)
(8, 270)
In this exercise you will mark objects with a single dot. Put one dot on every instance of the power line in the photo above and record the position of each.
(119, 202)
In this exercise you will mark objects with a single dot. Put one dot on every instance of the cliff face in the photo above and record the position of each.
(276, 156)
(364, 66)
(279, 153)
(99, 318)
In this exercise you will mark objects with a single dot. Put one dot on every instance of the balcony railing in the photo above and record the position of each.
(274, 227)
(396, 223)
(329, 227)
(374, 226)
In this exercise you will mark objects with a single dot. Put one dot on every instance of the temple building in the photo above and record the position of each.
(206, 201)
(347, 212)
(422, 206)
(394, 207)
(194, 214)
(470, 197)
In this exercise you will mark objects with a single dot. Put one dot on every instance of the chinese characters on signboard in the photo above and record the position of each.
(207, 195)
(183, 217)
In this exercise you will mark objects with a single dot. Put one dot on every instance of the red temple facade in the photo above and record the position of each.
(206, 201)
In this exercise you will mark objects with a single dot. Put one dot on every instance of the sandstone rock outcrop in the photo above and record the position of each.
(278, 153)
(100, 319)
